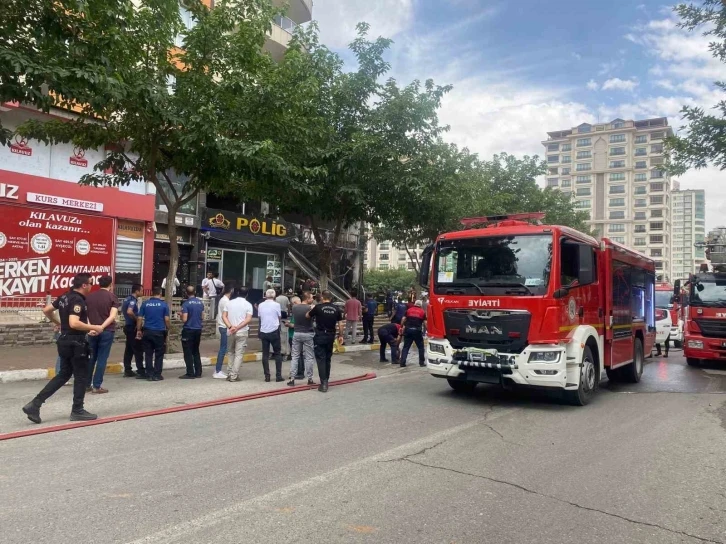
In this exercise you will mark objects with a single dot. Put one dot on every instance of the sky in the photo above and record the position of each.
(523, 68)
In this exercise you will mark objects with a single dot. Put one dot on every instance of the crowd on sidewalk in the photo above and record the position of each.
(299, 328)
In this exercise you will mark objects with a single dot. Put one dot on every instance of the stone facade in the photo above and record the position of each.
(17, 335)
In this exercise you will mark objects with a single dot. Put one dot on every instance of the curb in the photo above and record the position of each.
(173, 409)
(9, 376)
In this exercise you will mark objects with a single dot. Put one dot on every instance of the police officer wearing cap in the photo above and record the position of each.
(72, 349)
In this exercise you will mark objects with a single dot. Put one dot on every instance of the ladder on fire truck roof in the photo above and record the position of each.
(497, 220)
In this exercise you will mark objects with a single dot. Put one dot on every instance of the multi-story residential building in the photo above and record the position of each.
(386, 256)
(689, 227)
(614, 172)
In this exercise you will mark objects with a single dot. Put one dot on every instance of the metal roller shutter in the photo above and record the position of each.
(128, 257)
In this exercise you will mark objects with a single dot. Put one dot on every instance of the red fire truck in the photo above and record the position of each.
(705, 329)
(511, 302)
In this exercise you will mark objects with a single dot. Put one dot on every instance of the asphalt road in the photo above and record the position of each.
(398, 459)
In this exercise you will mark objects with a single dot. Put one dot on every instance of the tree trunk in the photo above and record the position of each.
(173, 255)
(326, 258)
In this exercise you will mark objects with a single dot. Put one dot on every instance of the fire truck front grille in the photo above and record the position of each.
(505, 331)
(712, 328)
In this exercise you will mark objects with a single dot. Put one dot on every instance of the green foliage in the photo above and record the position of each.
(352, 139)
(462, 186)
(704, 141)
(382, 281)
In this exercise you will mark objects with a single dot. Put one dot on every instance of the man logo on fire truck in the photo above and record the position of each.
(570, 309)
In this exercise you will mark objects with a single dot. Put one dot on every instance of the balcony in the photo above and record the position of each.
(279, 37)
(300, 11)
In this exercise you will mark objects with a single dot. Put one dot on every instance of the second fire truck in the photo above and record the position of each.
(513, 302)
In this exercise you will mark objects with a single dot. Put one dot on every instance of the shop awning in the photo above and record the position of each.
(245, 238)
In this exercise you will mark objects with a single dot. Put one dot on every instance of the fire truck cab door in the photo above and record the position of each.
(620, 321)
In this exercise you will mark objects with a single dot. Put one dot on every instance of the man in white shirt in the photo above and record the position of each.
(210, 291)
(284, 303)
(270, 314)
(173, 290)
(236, 315)
(222, 327)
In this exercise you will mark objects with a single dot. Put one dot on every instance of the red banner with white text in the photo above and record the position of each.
(41, 250)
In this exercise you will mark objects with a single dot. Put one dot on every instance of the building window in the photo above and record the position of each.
(641, 151)
(656, 225)
(553, 171)
(583, 191)
(584, 154)
(583, 203)
(617, 164)
(656, 238)
(657, 135)
(617, 138)
(656, 213)
(656, 148)
(617, 177)
(566, 171)
(383, 257)
(641, 164)
(618, 239)
(584, 142)
(656, 187)
(617, 202)
(640, 203)
(553, 158)
(656, 199)
(566, 147)
(566, 183)
(617, 189)
(552, 182)
(639, 216)
(617, 151)
(566, 159)
(641, 177)
(659, 265)
(640, 190)
(585, 128)
(617, 215)
(617, 124)
(638, 241)
(655, 161)
(583, 166)
(553, 147)
(401, 256)
(384, 246)
(639, 228)
(382, 267)
(656, 174)
(642, 139)
(616, 227)
(583, 179)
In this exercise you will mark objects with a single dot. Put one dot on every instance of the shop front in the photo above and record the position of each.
(53, 229)
(162, 254)
(245, 250)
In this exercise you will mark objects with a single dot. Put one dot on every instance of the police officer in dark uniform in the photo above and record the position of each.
(72, 349)
(326, 315)
(133, 349)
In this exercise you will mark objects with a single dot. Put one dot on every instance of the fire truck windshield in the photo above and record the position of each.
(663, 299)
(709, 292)
(511, 265)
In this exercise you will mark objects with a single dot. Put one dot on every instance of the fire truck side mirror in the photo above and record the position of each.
(423, 278)
(677, 287)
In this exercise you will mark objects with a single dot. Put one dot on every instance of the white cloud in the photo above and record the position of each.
(337, 19)
(620, 84)
(592, 85)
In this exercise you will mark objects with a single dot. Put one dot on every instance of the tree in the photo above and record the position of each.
(704, 141)
(354, 140)
(469, 187)
(382, 281)
(177, 118)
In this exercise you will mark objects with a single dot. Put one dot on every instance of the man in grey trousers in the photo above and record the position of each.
(302, 340)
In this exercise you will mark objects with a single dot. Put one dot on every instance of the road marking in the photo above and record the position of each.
(180, 531)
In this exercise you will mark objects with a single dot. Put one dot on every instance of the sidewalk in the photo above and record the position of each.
(129, 395)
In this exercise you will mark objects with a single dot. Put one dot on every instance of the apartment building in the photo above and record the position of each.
(614, 172)
(689, 227)
(382, 255)
(298, 12)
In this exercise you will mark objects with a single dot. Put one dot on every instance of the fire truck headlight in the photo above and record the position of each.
(544, 357)
(437, 348)
(695, 344)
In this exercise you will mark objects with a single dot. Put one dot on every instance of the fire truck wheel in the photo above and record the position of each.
(692, 361)
(588, 381)
(461, 386)
(634, 370)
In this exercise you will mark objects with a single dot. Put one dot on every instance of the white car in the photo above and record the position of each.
(677, 334)
(663, 325)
